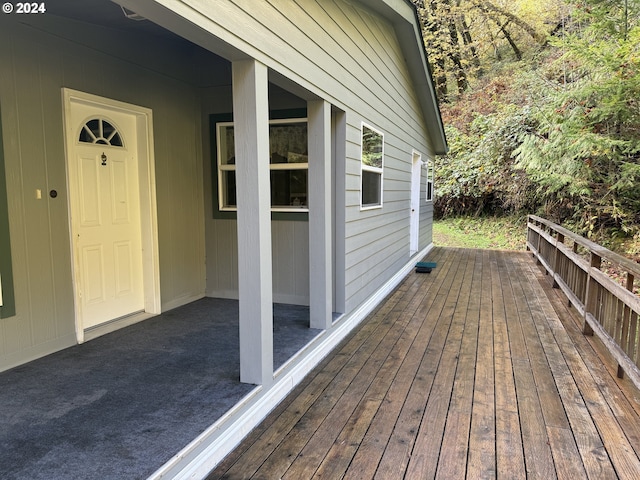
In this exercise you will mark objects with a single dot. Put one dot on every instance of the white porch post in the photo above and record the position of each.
(251, 133)
(319, 185)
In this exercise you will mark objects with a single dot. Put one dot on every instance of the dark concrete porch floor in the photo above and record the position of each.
(120, 406)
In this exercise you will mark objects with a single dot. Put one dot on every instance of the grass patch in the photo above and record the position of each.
(498, 233)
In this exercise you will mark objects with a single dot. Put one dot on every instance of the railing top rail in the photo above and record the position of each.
(624, 262)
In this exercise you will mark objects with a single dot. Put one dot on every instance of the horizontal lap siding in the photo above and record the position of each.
(351, 57)
(35, 66)
(378, 240)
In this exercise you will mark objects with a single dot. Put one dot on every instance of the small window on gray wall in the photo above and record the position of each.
(372, 163)
(288, 165)
(430, 176)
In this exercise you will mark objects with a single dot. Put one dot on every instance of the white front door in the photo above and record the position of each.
(414, 218)
(105, 213)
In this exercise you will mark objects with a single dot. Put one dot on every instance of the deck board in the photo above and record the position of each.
(482, 438)
(476, 370)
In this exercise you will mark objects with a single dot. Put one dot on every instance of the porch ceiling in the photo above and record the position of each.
(104, 13)
(210, 69)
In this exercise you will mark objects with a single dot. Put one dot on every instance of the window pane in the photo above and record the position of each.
(100, 132)
(288, 157)
(228, 183)
(371, 191)
(86, 136)
(226, 146)
(371, 147)
(289, 188)
(107, 129)
(116, 140)
(288, 142)
(94, 126)
(429, 181)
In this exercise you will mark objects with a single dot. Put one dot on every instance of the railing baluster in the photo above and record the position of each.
(591, 300)
(557, 260)
(626, 319)
(633, 337)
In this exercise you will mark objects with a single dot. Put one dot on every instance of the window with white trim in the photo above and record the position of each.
(372, 163)
(430, 178)
(289, 165)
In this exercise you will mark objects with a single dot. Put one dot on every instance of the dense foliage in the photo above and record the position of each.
(555, 132)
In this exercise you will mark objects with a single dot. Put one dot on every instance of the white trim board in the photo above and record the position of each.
(200, 457)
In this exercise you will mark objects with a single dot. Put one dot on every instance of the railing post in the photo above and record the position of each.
(590, 300)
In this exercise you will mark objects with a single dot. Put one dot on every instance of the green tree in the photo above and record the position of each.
(584, 155)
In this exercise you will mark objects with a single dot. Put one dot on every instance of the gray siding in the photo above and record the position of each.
(352, 58)
(333, 49)
(35, 66)
(290, 239)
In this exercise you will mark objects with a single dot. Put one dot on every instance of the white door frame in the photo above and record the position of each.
(148, 210)
(414, 213)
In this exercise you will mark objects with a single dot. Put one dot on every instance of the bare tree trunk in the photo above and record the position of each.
(460, 73)
(502, 26)
(487, 6)
(507, 35)
(440, 73)
(468, 42)
(442, 91)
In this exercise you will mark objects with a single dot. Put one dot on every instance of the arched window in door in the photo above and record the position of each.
(100, 132)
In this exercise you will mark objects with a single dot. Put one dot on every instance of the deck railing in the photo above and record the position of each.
(609, 307)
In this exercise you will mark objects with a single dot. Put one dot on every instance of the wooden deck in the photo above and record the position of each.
(477, 370)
